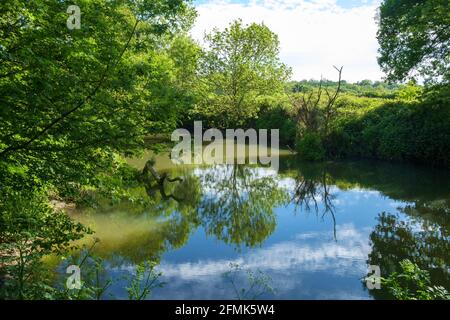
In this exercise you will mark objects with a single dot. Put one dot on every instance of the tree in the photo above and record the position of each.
(71, 99)
(240, 65)
(313, 113)
(414, 39)
(72, 102)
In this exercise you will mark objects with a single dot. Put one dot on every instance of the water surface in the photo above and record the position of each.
(311, 228)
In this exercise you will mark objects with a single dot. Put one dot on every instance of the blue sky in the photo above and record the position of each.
(314, 34)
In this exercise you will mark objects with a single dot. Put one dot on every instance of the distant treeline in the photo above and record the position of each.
(364, 88)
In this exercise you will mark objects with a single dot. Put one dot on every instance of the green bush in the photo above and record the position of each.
(29, 230)
(310, 147)
(393, 130)
(277, 118)
(337, 144)
(413, 283)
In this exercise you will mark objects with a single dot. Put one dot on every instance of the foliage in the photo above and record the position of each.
(92, 277)
(413, 283)
(277, 117)
(313, 112)
(73, 99)
(144, 281)
(394, 130)
(239, 67)
(410, 92)
(422, 240)
(364, 88)
(414, 39)
(310, 147)
(73, 102)
(30, 230)
(257, 283)
(95, 281)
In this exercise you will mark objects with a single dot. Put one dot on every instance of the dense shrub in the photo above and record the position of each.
(394, 130)
(277, 118)
(310, 147)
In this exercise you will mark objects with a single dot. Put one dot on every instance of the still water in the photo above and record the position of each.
(306, 231)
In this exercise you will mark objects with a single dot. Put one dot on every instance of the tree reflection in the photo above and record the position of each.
(238, 206)
(234, 203)
(136, 232)
(423, 239)
(309, 191)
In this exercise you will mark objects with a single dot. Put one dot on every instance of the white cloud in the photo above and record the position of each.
(294, 267)
(335, 257)
(314, 35)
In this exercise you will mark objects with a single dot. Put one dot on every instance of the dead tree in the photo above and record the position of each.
(307, 111)
(330, 110)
